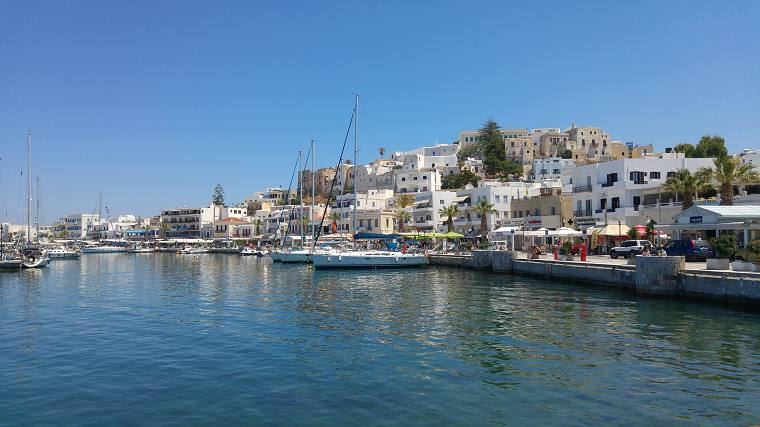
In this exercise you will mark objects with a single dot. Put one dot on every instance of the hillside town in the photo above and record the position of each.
(542, 179)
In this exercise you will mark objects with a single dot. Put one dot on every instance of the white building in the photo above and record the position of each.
(77, 226)
(613, 190)
(425, 212)
(415, 176)
(500, 195)
(750, 157)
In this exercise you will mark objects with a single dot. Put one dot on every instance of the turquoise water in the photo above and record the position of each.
(220, 339)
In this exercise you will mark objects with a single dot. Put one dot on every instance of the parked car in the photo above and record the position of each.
(692, 250)
(630, 247)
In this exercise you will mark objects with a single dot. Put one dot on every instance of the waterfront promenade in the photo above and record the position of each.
(652, 275)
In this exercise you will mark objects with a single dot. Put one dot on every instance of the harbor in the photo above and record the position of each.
(126, 337)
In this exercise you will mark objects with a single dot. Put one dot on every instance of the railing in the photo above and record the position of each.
(608, 184)
(582, 189)
(582, 213)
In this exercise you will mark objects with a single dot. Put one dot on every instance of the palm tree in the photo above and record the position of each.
(450, 212)
(726, 172)
(484, 209)
(402, 216)
(404, 200)
(687, 185)
(257, 223)
(334, 218)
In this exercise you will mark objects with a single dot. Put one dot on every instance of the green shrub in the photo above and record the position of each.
(566, 248)
(724, 245)
(754, 247)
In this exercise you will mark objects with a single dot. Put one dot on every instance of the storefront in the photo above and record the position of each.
(707, 222)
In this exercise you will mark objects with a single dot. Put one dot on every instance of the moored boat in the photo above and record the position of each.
(62, 252)
(247, 251)
(102, 249)
(192, 251)
(368, 259)
(10, 264)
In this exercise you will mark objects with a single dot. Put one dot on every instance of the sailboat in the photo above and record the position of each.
(100, 248)
(356, 258)
(32, 255)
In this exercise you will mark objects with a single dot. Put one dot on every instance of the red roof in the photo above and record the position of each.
(231, 219)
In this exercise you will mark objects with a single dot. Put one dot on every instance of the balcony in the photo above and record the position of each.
(582, 189)
(582, 213)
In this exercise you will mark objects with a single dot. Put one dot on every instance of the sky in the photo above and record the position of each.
(151, 103)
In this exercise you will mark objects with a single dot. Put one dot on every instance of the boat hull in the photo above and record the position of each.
(103, 250)
(368, 261)
(10, 264)
(63, 255)
(295, 257)
(276, 256)
(38, 263)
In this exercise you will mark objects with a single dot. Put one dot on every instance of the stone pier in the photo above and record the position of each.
(653, 275)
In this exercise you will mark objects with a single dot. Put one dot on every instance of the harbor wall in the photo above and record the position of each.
(659, 276)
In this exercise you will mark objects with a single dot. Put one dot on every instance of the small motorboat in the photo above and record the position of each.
(143, 250)
(193, 251)
(251, 252)
(62, 252)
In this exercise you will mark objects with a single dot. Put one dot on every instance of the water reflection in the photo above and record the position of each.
(212, 333)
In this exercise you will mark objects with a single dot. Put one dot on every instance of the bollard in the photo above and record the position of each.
(556, 256)
(583, 253)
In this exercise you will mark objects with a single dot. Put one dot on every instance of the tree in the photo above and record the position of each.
(484, 208)
(493, 150)
(649, 231)
(405, 200)
(708, 146)
(218, 197)
(726, 172)
(711, 146)
(450, 212)
(455, 181)
(334, 218)
(633, 233)
(472, 150)
(402, 216)
(257, 223)
(565, 153)
(687, 149)
(687, 185)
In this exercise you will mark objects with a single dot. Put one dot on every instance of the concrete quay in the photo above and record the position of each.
(652, 275)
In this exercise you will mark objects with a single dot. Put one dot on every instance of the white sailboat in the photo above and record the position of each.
(32, 255)
(7, 261)
(369, 258)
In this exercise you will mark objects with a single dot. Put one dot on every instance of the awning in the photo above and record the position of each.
(614, 230)
(376, 236)
(709, 226)
(449, 235)
(564, 232)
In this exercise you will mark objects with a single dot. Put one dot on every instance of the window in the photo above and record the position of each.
(514, 213)
(555, 171)
(425, 176)
(415, 178)
(553, 210)
(498, 199)
(654, 175)
(403, 178)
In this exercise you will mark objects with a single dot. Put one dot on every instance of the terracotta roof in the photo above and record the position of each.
(231, 219)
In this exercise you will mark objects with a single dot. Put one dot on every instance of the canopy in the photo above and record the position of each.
(505, 229)
(564, 232)
(614, 230)
(448, 235)
(376, 236)
(541, 232)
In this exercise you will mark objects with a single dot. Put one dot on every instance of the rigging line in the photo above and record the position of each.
(279, 220)
(290, 217)
(335, 178)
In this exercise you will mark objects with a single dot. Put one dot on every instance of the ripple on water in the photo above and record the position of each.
(220, 339)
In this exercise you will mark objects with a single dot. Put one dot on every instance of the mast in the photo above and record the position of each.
(300, 194)
(100, 213)
(356, 161)
(29, 187)
(313, 188)
(37, 216)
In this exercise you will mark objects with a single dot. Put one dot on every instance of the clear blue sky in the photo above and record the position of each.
(153, 102)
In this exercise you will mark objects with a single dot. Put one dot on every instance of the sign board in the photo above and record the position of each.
(695, 219)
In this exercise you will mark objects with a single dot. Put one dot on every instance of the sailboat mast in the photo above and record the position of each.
(29, 187)
(100, 212)
(313, 188)
(37, 216)
(300, 193)
(356, 160)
